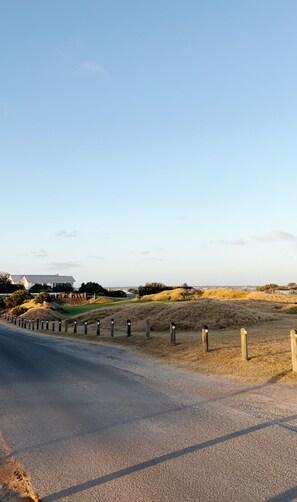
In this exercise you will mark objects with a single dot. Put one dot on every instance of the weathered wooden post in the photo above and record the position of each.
(60, 326)
(74, 326)
(128, 327)
(42, 324)
(46, 325)
(22, 322)
(25, 323)
(147, 329)
(244, 344)
(293, 334)
(98, 328)
(66, 325)
(15, 319)
(85, 327)
(33, 324)
(204, 338)
(173, 333)
(53, 325)
(37, 324)
(112, 328)
(19, 322)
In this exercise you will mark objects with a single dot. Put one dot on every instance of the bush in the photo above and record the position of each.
(2, 303)
(38, 288)
(17, 298)
(64, 287)
(18, 310)
(267, 287)
(152, 288)
(42, 297)
(116, 293)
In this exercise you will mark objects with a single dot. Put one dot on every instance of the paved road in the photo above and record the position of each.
(96, 423)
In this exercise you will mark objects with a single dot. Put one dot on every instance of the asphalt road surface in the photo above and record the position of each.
(93, 422)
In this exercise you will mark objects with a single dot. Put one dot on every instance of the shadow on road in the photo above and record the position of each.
(286, 496)
(72, 490)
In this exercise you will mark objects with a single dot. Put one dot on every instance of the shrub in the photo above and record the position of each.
(42, 297)
(17, 298)
(2, 303)
(152, 288)
(18, 310)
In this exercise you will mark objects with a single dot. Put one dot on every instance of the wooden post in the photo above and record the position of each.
(147, 329)
(128, 327)
(244, 344)
(46, 325)
(60, 325)
(66, 326)
(42, 324)
(74, 326)
(293, 334)
(98, 328)
(37, 324)
(204, 338)
(112, 327)
(173, 333)
(85, 327)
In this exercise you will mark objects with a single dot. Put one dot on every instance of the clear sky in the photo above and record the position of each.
(149, 140)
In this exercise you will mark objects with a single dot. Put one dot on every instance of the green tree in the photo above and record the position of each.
(38, 288)
(63, 288)
(93, 288)
(6, 285)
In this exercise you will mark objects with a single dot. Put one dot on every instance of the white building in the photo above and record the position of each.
(50, 280)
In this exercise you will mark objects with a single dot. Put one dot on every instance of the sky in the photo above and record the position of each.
(149, 140)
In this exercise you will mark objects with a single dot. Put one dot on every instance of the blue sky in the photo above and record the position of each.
(149, 140)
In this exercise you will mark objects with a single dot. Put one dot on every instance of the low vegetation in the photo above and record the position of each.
(17, 298)
(268, 318)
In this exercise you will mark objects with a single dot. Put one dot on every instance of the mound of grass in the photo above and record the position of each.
(174, 295)
(190, 315)
(225, 294)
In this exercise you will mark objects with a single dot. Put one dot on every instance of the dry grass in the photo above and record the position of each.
(15, 485)
(268, 323)
(187, 315)
(268, 346)
(42, 313)
(174, 295)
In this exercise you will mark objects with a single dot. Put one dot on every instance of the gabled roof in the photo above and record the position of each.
(45, 279)
(16, 278)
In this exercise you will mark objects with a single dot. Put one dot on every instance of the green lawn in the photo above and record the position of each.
(73, 310)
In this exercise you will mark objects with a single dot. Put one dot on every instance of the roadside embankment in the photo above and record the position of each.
(15, 485)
